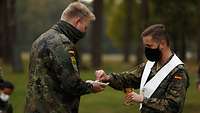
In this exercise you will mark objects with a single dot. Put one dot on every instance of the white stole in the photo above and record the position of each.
(149, 88)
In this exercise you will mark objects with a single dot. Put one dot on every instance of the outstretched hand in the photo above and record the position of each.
(97, 86)
(102, 76)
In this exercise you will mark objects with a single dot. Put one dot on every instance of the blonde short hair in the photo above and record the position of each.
(77, 9)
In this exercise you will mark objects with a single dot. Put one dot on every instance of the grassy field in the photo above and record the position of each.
(109, 101)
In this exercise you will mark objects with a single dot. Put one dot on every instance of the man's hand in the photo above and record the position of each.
(134, 97)
(98, 87)
(101, 76)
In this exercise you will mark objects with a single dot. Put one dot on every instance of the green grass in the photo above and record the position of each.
(109, 101)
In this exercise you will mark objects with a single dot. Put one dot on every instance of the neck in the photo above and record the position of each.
(165, 56)
(69, 31)
(69, 21)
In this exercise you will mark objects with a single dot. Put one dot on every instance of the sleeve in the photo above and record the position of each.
(174, 97)
(131, 79)
(59, 66)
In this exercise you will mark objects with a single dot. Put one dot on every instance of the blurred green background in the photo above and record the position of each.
(113, 43)
(109, 101)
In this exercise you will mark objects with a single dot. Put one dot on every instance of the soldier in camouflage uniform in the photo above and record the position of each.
(170, 95)
(54, 84)
(6, 89)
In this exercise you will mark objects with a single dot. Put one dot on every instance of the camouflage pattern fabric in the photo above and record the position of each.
(169, 97)
(54, 84)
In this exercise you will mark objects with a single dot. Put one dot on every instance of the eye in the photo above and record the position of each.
(147, 45)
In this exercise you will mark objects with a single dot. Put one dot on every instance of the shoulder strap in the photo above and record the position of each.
(149, 88)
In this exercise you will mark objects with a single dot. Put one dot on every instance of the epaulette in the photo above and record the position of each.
(179, 67)
(175, 70)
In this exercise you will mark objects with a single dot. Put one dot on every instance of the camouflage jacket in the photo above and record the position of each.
(169, 97)
(5, 107)
(54, 84)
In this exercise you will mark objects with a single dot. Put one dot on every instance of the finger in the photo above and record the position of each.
(101, 89)
(97, 72)
(128, 100)
(102, 72)
(130, 94)
(103, 86)
(128, 97)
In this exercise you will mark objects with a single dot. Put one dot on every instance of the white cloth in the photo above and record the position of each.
(148, 88)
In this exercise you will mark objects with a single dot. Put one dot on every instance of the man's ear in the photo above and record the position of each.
(77, 21)
(163, 43)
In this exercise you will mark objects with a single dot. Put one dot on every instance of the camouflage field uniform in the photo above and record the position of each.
(54, 83)
(5, 107)
(169, 97)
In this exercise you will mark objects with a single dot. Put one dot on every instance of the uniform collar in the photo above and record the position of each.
(69, 31)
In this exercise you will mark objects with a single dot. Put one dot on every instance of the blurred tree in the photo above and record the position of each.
(120, 28)
(97, 33)
(33, 19)
(115, 17)
(176, 16)
(8, 35)
(144, 13)
(128, 29)
(197, 4)
(2, 29)
(12, 23)
(198, 49)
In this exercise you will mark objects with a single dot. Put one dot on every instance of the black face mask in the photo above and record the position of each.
(153, 54)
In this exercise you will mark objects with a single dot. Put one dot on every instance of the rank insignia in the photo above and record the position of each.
(74, 63)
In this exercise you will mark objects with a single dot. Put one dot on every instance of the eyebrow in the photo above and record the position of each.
(147, 45)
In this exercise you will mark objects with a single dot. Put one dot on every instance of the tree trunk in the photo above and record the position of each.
(183, 48)
(2, 29)
(11, 29)
(198, 48)
(128, 29)
(144, 22)
(11, 43)
(179, 42)
(96, 34)
(8, 35)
